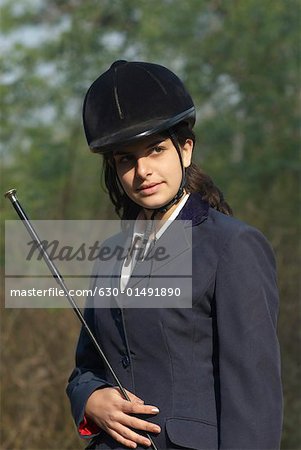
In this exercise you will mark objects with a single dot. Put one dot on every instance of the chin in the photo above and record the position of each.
(153, 204)
(155, 200)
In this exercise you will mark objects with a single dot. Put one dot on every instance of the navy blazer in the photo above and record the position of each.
(213, 370)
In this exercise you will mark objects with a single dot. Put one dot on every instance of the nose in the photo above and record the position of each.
(143, 167)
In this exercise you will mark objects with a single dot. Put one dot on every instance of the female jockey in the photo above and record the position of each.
(203, 374)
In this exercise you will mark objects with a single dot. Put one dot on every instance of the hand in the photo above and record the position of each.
(111, 412)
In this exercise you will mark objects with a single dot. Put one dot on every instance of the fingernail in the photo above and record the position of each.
(156, 410)
(146, 443)
(157, 429)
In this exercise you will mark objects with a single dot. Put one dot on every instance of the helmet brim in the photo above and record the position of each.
(126, 136)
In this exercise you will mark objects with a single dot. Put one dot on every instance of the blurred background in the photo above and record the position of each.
(240, 61)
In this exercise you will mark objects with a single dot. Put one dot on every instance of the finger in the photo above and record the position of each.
(121, 439)
(119, 395)
(131, 435)
(137, 408)
(134, 397)
(139, 424)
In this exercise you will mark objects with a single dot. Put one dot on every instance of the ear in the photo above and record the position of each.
(187, 152)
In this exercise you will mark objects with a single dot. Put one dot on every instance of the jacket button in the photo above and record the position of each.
(126, 361)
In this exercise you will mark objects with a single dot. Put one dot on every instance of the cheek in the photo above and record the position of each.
(175, 170)
(126, 180)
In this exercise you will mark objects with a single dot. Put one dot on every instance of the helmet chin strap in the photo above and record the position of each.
(180, 192)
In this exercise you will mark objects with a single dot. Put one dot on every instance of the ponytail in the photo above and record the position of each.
(198, 181)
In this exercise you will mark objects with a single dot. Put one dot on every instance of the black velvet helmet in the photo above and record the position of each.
(132, 100)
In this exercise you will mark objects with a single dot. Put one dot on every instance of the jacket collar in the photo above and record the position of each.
(196, 209)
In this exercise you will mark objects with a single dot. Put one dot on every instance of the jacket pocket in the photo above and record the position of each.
(192, 433)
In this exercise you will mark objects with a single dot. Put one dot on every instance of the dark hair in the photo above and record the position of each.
(196, 181)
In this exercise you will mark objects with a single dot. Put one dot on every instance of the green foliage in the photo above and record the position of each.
(239, 59)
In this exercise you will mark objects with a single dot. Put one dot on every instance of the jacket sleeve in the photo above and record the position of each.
(87, 376)
(249, 360)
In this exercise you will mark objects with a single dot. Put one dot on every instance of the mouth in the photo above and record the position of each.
(149, 189)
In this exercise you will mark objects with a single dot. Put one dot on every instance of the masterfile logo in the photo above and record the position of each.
(96, 258)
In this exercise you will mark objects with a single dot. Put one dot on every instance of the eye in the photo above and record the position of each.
(124, 159)
(157, 149)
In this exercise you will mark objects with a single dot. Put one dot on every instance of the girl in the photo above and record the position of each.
(200, 377)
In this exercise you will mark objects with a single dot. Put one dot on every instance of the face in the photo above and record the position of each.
(150, 171)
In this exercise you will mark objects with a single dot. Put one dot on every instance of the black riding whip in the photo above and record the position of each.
(11, 195)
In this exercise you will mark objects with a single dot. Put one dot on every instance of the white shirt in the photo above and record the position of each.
(140, 235)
